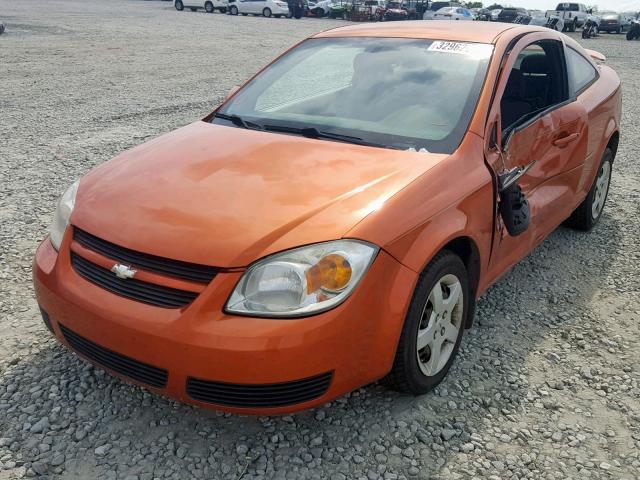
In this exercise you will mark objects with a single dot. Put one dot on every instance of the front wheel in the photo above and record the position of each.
(233, 10)
(266, 12)
(208, 7)
(179, 5)
(590, 210)
(433, 327)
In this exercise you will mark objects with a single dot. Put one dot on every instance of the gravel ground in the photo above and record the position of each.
(546, 385)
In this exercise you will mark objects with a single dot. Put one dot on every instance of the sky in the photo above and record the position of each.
(618, 5)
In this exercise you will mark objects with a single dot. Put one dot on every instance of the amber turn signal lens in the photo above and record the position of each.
(331, 273)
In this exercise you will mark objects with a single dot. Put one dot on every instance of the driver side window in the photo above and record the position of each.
(536, 83)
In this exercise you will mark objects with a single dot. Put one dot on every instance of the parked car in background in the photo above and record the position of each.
(573, 14)
(209, 6)
(481, 14)
(340, 9)
(266, 8)
(634, 30)
(395, 10)
(415, 8)
(626, 20)
(612, 23)
(453, 13)
(511, 14)
(591, 27)
(494, 14)
(333, 222)
(435, 6)
(321, 8)
(1, 28)
(539, 19)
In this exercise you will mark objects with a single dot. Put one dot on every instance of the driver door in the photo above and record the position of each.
(537, 127)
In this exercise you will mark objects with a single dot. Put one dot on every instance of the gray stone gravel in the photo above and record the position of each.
(546, 385)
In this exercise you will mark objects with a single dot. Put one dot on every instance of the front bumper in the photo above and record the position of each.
(201, 348)
(610, 27)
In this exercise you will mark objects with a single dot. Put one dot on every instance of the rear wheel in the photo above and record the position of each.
(208, 6)
(590, 210)
(266, 12)
(434, 325)
(179, 5)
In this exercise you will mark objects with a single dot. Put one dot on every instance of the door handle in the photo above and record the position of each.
(564, 141)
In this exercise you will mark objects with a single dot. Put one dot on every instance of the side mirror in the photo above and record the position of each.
(233, 90)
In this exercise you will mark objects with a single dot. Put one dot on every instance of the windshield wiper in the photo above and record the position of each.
(238, 121)
(312, 132)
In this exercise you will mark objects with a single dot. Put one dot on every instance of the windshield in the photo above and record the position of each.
(393, 92)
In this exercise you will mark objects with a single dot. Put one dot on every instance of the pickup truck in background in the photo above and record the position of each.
(573, 14)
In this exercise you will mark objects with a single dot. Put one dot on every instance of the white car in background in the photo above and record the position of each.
(266, 8)
(453, 13)
(495, 13)
(435, 6)
(209, 6)
(321, 8)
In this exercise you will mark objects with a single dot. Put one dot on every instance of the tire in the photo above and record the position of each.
(318, 12)
(586, 216)
(208, 7)
(179, 5)
(233, 10)
(415, 370)
(266, 12)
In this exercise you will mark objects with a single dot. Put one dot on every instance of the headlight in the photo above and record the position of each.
(62, 215)
(302, 281)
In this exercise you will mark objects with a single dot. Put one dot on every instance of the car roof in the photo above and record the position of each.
(481, 32)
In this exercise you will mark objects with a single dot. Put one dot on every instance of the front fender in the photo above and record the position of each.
(453, 199)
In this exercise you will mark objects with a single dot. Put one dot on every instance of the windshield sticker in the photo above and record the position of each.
(478, 50)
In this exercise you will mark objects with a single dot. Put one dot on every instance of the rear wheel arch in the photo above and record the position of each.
(613, 143)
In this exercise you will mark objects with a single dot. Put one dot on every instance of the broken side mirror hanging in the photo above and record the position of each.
(514, 206)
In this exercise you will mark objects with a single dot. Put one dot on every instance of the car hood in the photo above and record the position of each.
(226, 196)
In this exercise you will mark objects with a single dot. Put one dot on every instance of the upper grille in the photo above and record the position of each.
(146, 261)
(266, 395)
(131, 288)
(138, 371)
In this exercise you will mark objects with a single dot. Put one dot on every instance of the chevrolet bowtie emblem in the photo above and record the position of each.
(123, 271)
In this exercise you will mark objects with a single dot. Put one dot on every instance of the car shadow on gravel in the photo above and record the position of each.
(61, 417)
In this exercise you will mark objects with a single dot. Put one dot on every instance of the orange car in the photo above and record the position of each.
(334, 221)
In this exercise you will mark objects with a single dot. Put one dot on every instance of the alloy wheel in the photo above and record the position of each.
(440, 325)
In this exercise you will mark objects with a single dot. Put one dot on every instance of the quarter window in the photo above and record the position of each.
(581, 72)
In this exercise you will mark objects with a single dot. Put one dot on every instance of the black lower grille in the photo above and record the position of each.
(146, 261)
(266, 395)
(138, 371)
(131, 288)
